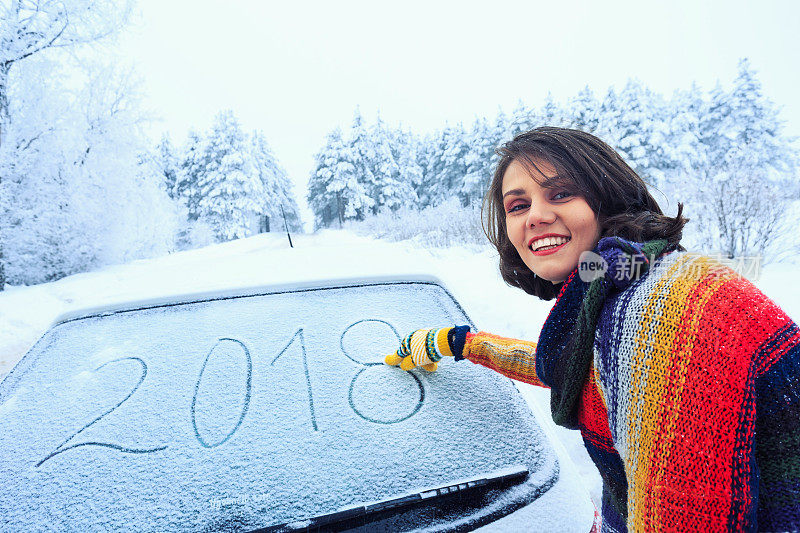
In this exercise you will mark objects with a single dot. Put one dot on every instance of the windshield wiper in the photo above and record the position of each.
(361, 514)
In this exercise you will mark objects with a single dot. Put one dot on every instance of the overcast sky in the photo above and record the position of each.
(296, 70)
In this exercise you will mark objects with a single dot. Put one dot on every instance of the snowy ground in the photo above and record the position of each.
(26, 312)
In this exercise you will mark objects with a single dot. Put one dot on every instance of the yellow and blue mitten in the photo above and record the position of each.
(425, 347)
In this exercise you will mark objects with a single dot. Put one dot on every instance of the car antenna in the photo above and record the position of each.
(285, 225)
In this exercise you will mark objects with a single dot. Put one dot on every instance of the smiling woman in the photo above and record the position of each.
(548, 226)
(581, 181)
(667, 362)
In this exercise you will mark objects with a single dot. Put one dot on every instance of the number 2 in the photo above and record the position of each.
(61, 447)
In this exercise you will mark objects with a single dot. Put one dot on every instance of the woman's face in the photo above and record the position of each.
(550, 228)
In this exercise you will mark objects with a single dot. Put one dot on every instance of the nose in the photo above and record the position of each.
(540, 213)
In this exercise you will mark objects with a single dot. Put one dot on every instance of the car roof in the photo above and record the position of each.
(233, 291)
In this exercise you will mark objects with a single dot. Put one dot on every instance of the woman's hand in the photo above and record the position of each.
(425, 347)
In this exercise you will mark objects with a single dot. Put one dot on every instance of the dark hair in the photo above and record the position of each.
(588, 167)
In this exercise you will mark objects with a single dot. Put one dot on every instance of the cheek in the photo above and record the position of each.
(592, 232)
(589, 226)
(514, 232)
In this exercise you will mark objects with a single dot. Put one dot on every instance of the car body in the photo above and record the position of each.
(269, 408)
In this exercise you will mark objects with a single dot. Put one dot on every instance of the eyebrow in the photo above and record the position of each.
(549, 183)
(516, 192)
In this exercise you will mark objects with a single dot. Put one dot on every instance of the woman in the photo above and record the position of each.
(683, 378)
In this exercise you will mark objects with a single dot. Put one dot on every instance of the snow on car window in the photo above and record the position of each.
(254, 411)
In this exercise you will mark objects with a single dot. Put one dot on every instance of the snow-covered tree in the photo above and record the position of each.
(278, 200)
(683, 150)
(741, 191)
(608, 116)
(522, 119)
(78, 195)
(335, 192)
(480, 161)
(635, 122)
(323, 204)
(583, 111)
(448, 165)
(391, 187)
(405, 148)
(30, 27)
(552, 114)
(500, 132)
(230, 189)
(361, 153)
(167, 163)
(429, 158)
(192, 163)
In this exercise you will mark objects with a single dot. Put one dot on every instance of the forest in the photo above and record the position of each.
(82, 185)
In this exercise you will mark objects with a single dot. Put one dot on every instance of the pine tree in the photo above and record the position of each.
(480, 161)
(192, 164)
(608, 117)
(231, 192)
(500, 131)
(551, 114)
(278, 198)
(682, 149)
(749, 167)
(335, 193)
(361, 154)
(324, 206)
(584, 111)
(167, 162)
(391, 188)
(522, 119)
(431, 160)
(636, 125)
(405, 149)
(448, 183)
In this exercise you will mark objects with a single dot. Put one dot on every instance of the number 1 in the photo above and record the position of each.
(299, 333)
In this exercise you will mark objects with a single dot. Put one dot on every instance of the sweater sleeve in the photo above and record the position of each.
(513, 358)
(778, 436)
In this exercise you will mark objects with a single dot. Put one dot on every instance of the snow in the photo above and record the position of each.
(27, 312)
(140, 384)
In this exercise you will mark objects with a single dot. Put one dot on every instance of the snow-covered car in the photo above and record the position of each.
(270, 409)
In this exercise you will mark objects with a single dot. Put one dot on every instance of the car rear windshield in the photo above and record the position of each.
(246, 412)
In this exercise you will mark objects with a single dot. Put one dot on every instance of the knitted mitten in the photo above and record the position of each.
(425, 347)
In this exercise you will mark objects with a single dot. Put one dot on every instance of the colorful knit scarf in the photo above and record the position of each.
(565, 351)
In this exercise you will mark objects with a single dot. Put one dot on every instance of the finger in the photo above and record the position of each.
(431, 367)
(408, 363)
(393, 359)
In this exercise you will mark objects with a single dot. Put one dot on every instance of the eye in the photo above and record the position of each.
(561, 195)
(516, 207)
